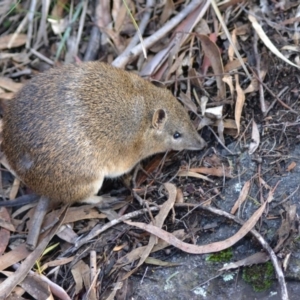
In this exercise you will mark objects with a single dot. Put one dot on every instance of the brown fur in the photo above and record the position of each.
(72, 126)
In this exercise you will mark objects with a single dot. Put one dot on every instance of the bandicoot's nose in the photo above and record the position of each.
(197, 144)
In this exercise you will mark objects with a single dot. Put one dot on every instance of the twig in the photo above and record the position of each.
(68, 30)
(101, 19)
(228, 35)
(42, 33)
(101, 228)
(135, 194)
(275, 96)
(81, 25)
(142, 26)
(91, 293)
(122, 60)
(219, 140)
(37, 220)
(42, 57)
(30, 19)
(258, 60)
(19, 29)
(56, 290)
(243, 134)
(273, 103)
(287, 198)
(97, 230)
(92, 287)
(7, 286)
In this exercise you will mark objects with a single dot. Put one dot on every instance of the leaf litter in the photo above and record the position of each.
(224, 71)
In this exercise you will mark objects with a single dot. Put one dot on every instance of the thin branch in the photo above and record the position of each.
(123, 59)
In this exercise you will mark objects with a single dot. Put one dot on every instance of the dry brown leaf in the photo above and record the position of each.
(10, 85)
(220, 126)
(234, 65)
(193, 174)
(203, 104)
(205, 121)
(294, 48)
(58, 26)
(240, 100)
(18, 290)
(13, 256)
(243, 30)
(168, 10)
(214, 171)
(186, 26)
(56, 18)
(229, 123)
(79, 271)
(255, 138)
(262, 182)
(158, 262)
(229, 3)
(37, 288)
(287, 227)
(242, 197)
(12, 281)
(150, 167)
(179, 196)
(291, 166)
(265, 39)
(56, 290)
(214, 113)
(159, 222)
(193, 76)
(210, 248)
(206, 60)
(212, 51)
(14, 189)
(188, 103)
(57, 262)
(119, 247)
(119, 13)
(257, 258)
(136, 253)
(67, 234)
(230, 48)
(252, 87)
(58, 9)
(213, 161)
(50, 219)
(23, 209)
(5, 226)
(12, 40)
(177, 63)
(228, 79)
(83, 212)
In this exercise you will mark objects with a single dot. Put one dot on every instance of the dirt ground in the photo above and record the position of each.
(233, 206)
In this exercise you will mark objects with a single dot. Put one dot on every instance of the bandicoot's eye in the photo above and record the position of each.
(176, 135)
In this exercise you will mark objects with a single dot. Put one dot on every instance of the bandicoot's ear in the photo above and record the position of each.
(159, 119)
